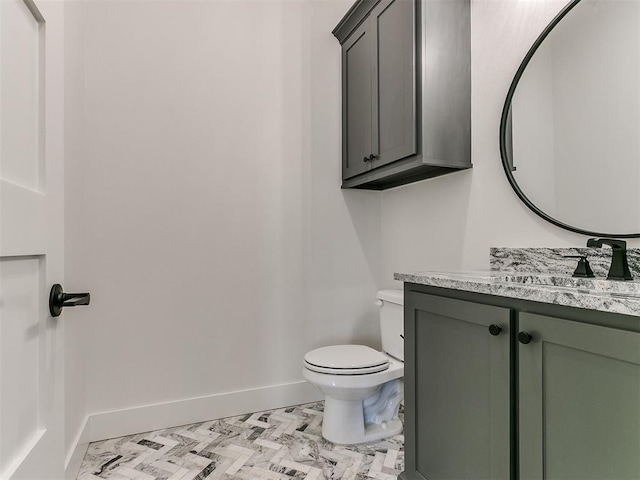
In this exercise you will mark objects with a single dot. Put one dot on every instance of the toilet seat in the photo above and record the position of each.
(346, 360)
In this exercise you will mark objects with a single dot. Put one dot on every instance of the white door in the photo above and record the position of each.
(31, 239)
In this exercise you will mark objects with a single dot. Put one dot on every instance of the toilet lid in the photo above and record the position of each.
(346, 360)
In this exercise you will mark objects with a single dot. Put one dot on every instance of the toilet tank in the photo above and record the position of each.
(391, 303)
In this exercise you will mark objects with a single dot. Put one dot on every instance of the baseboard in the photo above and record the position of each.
(145, 418)
(77, 452)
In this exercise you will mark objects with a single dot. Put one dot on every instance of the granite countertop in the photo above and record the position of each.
(593, 294)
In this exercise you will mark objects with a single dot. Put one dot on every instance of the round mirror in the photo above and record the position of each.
(570, 129)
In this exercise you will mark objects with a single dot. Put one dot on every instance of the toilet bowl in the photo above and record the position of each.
(362, 386)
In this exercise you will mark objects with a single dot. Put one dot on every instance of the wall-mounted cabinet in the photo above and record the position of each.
(509, 389)
(406, 91)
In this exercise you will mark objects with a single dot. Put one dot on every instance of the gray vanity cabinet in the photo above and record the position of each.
(553, 395)
(579, 409)
(403, 121)
(456, 389)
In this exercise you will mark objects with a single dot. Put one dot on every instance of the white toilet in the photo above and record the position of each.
(362, 386)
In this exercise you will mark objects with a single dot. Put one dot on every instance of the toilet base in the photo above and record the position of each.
(360, 408)
(384, 430)
(344, 424)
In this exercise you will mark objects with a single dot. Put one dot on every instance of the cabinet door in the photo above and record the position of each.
(579, 390)
(394, 81)
(356, 102)
(456, 389)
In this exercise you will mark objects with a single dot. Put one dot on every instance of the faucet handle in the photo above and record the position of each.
(614, 243)
(583, 270)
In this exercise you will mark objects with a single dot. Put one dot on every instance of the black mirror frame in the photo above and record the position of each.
(505, 128)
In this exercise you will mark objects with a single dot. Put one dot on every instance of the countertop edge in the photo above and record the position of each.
(489, 283)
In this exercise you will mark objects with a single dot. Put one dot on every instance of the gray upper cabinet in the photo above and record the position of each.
(379, 89)
(579, 401)
(404, 119)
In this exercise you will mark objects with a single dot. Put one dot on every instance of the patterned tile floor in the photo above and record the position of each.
(282, 444)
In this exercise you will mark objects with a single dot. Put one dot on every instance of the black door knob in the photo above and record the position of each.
(494, 330)
(524, 338)
(58, 299)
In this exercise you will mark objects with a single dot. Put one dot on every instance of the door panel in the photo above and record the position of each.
(20, 336)
(579, 401)
(455, 394)
(394, 81)
(22, 213)
(31, 223)
(21, 95)
(457, 411)
(356, 67)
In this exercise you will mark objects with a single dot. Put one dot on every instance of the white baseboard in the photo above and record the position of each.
(128, 421)
(77, 452)
(118, 423)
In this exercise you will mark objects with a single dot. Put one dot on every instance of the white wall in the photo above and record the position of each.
(76, 331)
(203, 204)
(204, 212)
(449, 223)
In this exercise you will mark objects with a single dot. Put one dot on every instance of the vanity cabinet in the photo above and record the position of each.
(553, 394)
(456, 389)
(579, 392)
(387, 46)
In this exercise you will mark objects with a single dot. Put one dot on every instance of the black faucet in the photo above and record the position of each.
(619, 269)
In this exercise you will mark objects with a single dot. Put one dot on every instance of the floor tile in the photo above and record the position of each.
(281, 444)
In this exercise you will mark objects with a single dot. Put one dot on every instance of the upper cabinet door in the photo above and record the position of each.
(392, 23)
(579, 389)
(356, 102)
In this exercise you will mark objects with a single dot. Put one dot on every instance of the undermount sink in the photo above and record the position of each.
(584, 285)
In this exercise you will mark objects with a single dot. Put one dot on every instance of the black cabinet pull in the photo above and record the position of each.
(365, 159)
(372, 157)
(58, 300)
(494, 330)
(524, 338)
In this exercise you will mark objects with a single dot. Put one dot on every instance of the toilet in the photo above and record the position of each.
(363, 387)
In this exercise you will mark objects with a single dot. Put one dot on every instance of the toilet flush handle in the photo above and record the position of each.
(378, 302)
